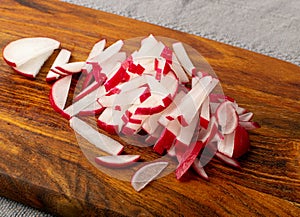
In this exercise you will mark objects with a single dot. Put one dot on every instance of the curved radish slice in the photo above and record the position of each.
(246, 116)
(70, 68)
(197, 166)
(146, 174)
(32, 67)
(227, 117)
(22, 50)
(92, 109)
(59, 94)
(117, 161)
(108, 52)
(92, 87)
(230, 161)
(184, 58)
(100, 140)
(62, 58)
(249, 125)
(178, 70)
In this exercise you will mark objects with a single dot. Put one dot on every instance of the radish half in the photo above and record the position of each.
(18, 52)
(33, 66)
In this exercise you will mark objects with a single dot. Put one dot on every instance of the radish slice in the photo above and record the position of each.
(33, 66)
(59, 93)
(230, 161)
(188, 158)
(100, 140)
(84, 102)
(246, 116)
(205, 113)
(197, 166)
(19, 52)
(97, 49)
(70, 68)
(117, 161)
(146, 174)
(227, 117)
(93, 109)
(92, 87)
(249, 125)
(124, 98)
(184, 58)
(61, 59)
(193, 100)
(108, 52)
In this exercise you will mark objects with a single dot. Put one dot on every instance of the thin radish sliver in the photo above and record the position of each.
(100, 140)
(70, 68)
(117, 161)
(146, 174)
(183, 58)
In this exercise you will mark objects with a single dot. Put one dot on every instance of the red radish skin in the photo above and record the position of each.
(188, 159)
(70, 68)
(117, 161)
(241, 142)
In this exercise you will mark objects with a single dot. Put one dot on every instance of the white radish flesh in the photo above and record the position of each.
(33, 66)
(62, 58)
(146, 174)
(19, 52)
(100, 140)
(227, 117)
(183, 58)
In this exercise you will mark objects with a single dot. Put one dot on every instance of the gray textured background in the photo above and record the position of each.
(270, 27)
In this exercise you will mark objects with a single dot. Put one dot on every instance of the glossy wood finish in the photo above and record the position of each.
(42, 165)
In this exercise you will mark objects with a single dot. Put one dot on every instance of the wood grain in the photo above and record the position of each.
(42, 165)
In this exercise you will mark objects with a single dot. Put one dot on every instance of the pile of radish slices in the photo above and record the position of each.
(156, 91)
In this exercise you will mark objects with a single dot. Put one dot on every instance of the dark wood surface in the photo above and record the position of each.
(42, 165)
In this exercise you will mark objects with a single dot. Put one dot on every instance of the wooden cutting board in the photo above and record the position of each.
(42, 165)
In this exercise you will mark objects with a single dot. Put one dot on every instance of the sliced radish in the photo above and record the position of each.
(33, 66)
(84, 102)
(123, 98)
(117, 161)
(92, 87)
(184, 58)
(61, 59)
(246, 116)
(205, 113)
(59, 94)
(193, 100)
(249, 125)
(230, 161)
(70, 68)
(93, 109)
(19, 52)
(97, 49)
(100, 140)
(146, 174)
(227, 117)
(188, 158)
(197, 166)
(108, 52)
